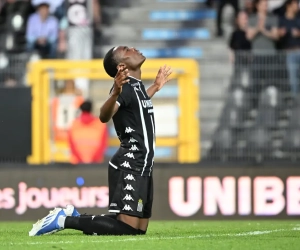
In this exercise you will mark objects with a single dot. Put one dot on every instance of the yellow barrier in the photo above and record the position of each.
(185, 70)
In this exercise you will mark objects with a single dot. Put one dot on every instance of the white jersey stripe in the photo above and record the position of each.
(153, 144)
(144, 129)
(113, 165)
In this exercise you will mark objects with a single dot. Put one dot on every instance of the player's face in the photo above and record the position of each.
(131, 57)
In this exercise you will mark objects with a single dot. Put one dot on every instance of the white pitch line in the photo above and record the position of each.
(251, 233)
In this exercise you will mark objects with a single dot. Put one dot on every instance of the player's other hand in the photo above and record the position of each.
(120, 79)
(162, 76)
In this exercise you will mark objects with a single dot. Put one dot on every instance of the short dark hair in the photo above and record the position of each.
(110, 64)
(43, 4)
(86, 106)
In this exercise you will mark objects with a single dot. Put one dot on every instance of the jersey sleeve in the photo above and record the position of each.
(124, 98)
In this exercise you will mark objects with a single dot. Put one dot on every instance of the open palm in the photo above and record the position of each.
(163, 76)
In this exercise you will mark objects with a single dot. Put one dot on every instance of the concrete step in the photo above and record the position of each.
(210, 48)
(168, 5)
(212, 90)
(208, 129)
(143, 24)
(210, 110)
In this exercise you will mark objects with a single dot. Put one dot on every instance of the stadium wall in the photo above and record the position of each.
(181, 191)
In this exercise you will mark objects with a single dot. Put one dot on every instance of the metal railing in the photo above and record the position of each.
(260, 117)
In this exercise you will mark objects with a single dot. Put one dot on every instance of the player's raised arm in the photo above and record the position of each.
(110, 107)
(161, 79)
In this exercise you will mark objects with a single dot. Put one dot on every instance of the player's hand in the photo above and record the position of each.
(120, 79)
(162, 77)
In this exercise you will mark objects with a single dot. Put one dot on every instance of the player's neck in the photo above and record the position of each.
(136, 73)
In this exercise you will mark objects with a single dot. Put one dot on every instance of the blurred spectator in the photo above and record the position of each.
(238, 40)
(64, 110)
(289, 31)
(42, 32)
(56, 7)
(70, 89)
(88, 137)
(13, 6)
(249, 7)
(222, 4)
(77, 32)
(239, 47)
(262, 29)
(263, 33)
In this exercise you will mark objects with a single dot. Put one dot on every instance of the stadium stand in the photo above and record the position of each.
(240, 119)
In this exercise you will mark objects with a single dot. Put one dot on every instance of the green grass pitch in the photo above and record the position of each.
(183, 235)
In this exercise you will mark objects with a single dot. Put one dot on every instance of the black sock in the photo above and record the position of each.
(142, 231)
(100, 225)
(113, 216)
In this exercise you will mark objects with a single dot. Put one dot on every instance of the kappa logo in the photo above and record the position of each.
(130, 155)
(128, 130)
(134, 148)
(129, 187)
(132, 140)
(128, 198)
(126, 164)
(127, 208)
(113, 204)
(129, 177)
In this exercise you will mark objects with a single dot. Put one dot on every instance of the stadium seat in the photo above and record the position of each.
(181, 15)
(269, 103)
(291, 143)
(234, 112)
(223, 141)
(259, 143)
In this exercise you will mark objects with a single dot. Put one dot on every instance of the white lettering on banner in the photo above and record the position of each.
(293, 195)
(176, 197)
(268, 195)
(218, 195)
(7, 200)
(244, 195)
(34, 197)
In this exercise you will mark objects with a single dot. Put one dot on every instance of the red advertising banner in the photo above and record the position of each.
(181, 192)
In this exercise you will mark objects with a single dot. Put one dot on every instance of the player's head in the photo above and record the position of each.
(86, 106)
(122, 55)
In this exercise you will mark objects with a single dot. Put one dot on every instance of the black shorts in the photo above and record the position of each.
(130, 194)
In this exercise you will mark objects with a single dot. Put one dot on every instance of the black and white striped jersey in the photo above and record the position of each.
(135, 127)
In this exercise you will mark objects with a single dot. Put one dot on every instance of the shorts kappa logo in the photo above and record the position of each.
(128, 130)
(128, 198)
(129, 187)
(130, 155)
(129, 177)
(127, 208)
(134, 148)
(126, 164)
(132, 140)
